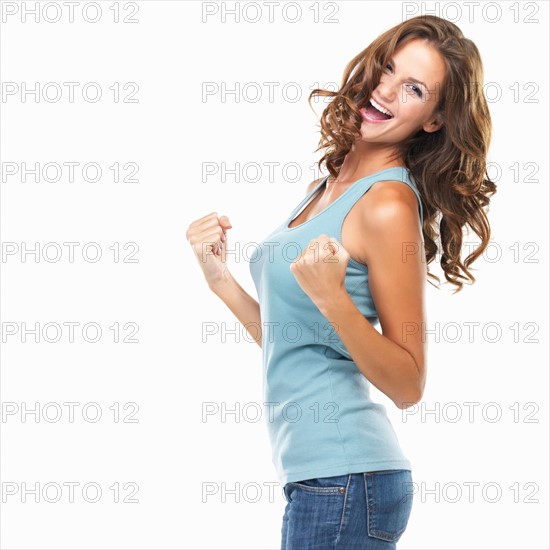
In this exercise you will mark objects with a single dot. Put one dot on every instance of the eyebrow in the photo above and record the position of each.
(410, 77)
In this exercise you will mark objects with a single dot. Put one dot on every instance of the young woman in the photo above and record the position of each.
(411, 126)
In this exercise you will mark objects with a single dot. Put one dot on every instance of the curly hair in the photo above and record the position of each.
(448, 165)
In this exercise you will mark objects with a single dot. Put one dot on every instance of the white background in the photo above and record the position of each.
(169, 453)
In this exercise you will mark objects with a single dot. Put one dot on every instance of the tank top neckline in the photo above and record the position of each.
(306, 200)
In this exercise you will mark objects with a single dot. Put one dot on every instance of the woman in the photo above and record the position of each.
(410, 125)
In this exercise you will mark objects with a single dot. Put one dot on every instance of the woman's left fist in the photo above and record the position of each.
(320, 269)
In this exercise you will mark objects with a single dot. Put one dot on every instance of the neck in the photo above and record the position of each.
(363, 159)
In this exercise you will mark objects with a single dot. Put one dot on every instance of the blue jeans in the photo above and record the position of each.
(364, 511)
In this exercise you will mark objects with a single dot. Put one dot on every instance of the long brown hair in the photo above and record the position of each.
(448, 165)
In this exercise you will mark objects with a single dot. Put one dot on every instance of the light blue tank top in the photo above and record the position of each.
(317, 405)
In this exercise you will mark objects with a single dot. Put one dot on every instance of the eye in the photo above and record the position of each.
(416, 90)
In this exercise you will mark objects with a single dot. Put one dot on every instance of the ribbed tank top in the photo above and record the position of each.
(317, 405)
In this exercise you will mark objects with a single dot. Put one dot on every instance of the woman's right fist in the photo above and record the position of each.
(208, 239)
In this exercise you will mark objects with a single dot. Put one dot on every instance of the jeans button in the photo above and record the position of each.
(342, 490)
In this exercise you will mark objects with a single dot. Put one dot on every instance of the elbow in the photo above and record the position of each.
(413, 393)
(409, 400)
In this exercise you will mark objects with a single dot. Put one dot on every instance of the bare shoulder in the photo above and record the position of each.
(387, 219)
(389, 202)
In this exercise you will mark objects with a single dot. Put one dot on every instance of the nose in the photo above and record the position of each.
(385, 91)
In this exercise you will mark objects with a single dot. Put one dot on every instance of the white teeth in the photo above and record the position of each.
(379, 107)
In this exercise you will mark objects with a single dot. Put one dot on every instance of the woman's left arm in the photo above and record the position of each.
(393, 249)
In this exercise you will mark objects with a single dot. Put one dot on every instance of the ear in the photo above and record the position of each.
(434, 123)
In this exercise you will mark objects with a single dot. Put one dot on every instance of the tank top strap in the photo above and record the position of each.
(361, 186)
(306, 200)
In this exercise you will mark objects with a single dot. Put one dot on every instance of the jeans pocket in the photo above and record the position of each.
(286, 491)
(321, 485)
(389, 496)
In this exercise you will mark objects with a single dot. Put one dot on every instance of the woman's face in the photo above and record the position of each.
(411, 103)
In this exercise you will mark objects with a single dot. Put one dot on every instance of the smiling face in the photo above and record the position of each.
(409, 89)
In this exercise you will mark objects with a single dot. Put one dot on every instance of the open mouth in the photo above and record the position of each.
(376, 112)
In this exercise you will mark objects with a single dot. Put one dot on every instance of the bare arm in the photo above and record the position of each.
(393, 361)
(208, 239)
(244, 306)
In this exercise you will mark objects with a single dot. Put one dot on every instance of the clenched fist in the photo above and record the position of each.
(208, 239)
(320, 270)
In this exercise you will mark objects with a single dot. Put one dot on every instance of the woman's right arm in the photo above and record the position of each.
(208, 239)
(245, 308)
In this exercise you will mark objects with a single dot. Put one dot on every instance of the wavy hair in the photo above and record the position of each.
(448, 165)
